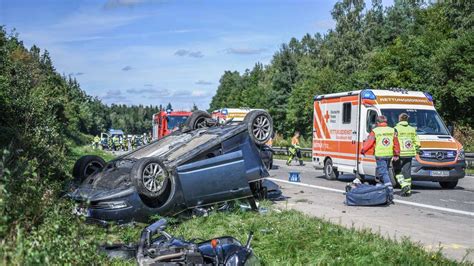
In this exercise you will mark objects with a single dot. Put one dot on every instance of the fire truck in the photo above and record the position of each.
(168, 121)
(342, 122)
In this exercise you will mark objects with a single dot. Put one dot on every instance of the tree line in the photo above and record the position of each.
(412, 44)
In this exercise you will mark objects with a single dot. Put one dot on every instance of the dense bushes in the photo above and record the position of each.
(418, 46)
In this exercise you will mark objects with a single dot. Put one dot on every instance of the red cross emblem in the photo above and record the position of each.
(326, 116)
(386, 142)
(408, 144)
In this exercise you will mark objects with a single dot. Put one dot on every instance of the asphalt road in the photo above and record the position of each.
(435, 217)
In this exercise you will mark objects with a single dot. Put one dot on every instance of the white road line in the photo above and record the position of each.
(395, 200)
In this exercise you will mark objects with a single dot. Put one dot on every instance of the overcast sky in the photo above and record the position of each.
(160, 51)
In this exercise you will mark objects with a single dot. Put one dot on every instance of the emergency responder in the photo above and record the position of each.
(116, 142)
(134, 142)
(409, 146)
(110, 143)
(125, 143)
(385, 140)
(295, 149)
(96, 142)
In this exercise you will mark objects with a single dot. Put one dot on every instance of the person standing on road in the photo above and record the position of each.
(387, 147)
(409, 146)
(295, 149)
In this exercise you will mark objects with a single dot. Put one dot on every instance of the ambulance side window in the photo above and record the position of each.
(346, 113)
(371, 120)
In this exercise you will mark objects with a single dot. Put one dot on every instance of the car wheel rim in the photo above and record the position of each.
(200, 123)
(92, 167)
(261, 128)
(153, 177)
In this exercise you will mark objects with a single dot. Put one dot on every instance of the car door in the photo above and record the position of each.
(216, 179)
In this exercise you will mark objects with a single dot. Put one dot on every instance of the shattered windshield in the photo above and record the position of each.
(426, 122)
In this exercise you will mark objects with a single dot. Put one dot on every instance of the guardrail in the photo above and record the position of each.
(306, 152)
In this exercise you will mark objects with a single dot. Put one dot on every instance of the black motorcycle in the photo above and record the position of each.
(157, 247)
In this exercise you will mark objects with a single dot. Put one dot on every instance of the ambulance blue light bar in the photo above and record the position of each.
(430, 98)
(224, 112)
(368, 94)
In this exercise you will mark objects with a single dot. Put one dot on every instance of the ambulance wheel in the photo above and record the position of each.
(329, 172)
(198, 119)
(448, 184)
(260, 126)
(86, 166)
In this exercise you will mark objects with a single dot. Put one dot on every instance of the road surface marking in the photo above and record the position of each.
(421, 205)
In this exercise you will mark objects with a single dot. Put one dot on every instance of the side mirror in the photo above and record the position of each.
(451, 129)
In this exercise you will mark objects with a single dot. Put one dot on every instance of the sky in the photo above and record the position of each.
(159, 51)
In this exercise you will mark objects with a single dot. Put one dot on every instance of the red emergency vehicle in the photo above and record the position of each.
(168, 121)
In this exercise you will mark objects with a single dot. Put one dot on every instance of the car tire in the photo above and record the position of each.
(86, 166)
(448, 184)
(149, 176)
(260, 126)
(329, 172)
(197, 120)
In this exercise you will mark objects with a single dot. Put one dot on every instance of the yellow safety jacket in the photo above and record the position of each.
(384, 141)
(409, 141)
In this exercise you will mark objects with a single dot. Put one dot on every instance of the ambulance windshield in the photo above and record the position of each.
(426, 122)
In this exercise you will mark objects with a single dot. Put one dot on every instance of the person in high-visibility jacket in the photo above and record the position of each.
(385, 141)
(409, 146)
(295, 149)
(96, 142)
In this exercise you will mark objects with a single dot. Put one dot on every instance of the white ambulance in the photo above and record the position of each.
(342, 122)
(225, 114)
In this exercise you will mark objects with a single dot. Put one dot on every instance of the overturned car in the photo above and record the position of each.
(203, 163)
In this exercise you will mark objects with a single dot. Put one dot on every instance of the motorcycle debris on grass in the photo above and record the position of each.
(157, 247)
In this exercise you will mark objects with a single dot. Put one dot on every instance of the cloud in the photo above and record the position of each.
(149, 92)
(196, 54)
(127, 68)
(245, 51)
(184, 52)
(203, 82)
(148, 85)
(76, 74)
(112, 4)
(199, 93)
(114, 96)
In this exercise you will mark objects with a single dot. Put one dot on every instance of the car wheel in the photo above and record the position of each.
(260, 126)
(197, 120)
(329, 172)
(150, 178)
(448, 184)
(86, 166)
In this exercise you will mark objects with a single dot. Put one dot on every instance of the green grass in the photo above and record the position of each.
(77, 152)
(285, 237)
